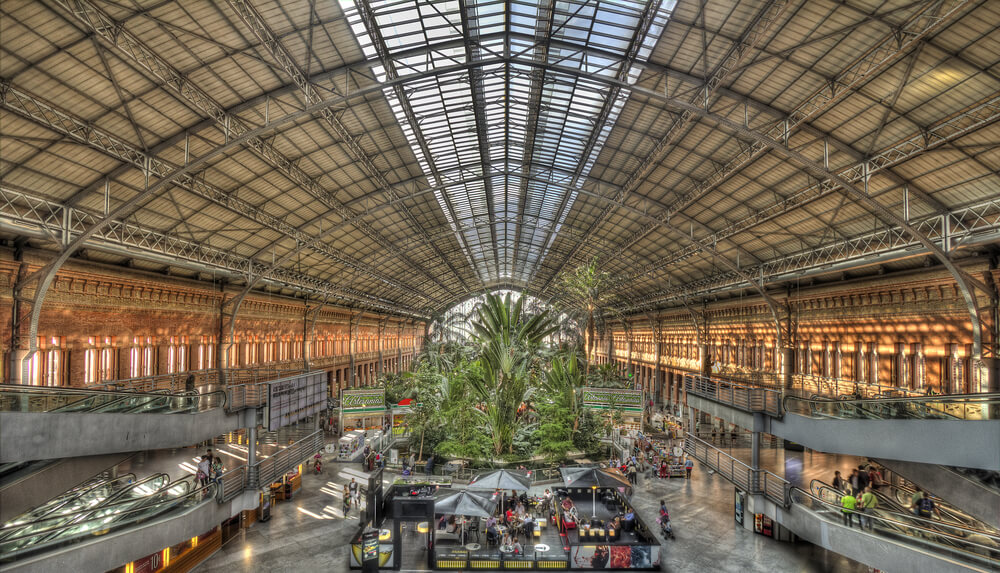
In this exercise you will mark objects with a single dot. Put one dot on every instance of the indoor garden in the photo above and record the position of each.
(501, 377)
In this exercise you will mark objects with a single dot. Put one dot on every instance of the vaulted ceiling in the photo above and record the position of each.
(404, 154)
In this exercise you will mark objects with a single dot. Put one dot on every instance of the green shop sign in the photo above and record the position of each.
(603, 398)
(362, 400)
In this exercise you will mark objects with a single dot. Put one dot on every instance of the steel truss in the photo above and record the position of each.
(757, 29)
(943, 132)
(249, 15)
(887, 52)
(24, 212)
(971, 225)
(60, 121)
(232, 125)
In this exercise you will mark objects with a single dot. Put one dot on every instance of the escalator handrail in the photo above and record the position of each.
(207, 492)
(929, 531)
(220, 395)
(63, 499)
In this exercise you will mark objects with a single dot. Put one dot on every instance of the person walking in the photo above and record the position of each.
(915, 501)
(868, 504)
(926, 507)
(633, 474)
(838, 482)
(355, 492)
(204, 470)
(347, 501)
(688, 466)
(217, 470)
(855, 481)
(848, 502)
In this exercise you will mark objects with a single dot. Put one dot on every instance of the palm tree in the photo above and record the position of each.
(585, 293)
(565, 380)
(508, 341)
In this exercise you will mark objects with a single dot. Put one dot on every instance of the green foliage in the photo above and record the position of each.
(585, 294)
(587, 436)
(607, 376)
(508, 343)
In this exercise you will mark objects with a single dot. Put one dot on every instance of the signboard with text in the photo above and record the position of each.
(604, 398)
(362, 400)
(295, 398)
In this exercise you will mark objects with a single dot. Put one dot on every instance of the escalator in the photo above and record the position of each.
(934, 545)
(975, 492)
(105, 422)
(899, 541)
(951, 528)
(97, 509)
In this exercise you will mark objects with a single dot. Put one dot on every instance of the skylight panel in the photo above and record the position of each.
(448, 119)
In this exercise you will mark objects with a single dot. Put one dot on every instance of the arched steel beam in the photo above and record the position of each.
(45, 275)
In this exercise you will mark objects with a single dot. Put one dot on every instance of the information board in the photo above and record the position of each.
(623, 398)
(295, 398)
(363, 400)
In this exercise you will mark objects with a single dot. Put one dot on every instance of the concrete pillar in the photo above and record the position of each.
(787, 366)
(251, 446)
(991, 383)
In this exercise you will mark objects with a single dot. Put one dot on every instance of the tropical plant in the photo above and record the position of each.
(584, 296)
(508, 341)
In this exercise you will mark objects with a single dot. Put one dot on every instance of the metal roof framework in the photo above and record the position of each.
(399, 155)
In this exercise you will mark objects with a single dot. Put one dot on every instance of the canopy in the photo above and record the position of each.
(468, 503)
(501, 479)
(590, 477)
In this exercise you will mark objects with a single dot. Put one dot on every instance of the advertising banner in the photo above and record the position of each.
(294, 398)
(363, 400)
(604, 398)
(614, 556)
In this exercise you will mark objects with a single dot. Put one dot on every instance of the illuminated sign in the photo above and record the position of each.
(366, 400)
(621, 398)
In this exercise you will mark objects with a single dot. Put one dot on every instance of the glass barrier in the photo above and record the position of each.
(940, 407)
(17, 398)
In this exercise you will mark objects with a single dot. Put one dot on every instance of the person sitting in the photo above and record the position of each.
(452, 525)
(518, 549)
(523, 498)
(509, 515)
(567, 503)
(492, 533)
(443, 522)
(520, 511)
(630, 521)
(491, 522)
(528, 525)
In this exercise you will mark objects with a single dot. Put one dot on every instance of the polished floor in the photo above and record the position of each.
(309, 533)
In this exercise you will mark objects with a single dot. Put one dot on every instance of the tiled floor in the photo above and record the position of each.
(310, 534)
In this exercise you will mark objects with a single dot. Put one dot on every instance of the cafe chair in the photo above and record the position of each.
(473, 529)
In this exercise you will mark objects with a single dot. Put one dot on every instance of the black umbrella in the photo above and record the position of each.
(590, 477)
(468, 503)
(501, 480)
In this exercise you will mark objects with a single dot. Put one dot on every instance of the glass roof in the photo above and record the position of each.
(505, 188)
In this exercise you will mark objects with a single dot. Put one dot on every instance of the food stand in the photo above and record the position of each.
(362, 409)
(350, 445)
(627, 401)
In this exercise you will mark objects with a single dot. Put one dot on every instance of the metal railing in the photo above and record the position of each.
(739, 396)
(269, 470)
(758, 481)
